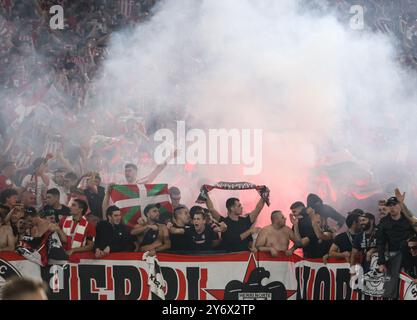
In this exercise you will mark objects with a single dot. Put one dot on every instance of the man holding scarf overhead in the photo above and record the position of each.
(238, 236)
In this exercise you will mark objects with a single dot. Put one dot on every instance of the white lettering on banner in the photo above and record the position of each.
(241, 276)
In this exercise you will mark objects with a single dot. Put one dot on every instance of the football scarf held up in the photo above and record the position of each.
(205, 189)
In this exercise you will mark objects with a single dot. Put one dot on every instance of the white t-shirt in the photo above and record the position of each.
(37, 187)
(63, 192)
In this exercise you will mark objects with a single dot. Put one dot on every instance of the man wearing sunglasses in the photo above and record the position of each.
(410, 259)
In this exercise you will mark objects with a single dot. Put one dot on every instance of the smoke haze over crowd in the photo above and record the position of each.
(326, 97)
(316, 87)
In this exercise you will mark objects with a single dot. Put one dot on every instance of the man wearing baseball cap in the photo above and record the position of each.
(152, 235)
(393, 231)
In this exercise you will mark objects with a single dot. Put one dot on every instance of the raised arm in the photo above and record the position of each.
(106, 199)
(412, 219)
(215, 214)
(158, 169)
(64, 161)
(255, 213)
(42, 169)
(173, 230)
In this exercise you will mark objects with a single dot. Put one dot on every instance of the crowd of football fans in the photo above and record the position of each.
(51, 198)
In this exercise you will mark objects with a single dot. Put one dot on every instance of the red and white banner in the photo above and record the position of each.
(408, 287)
(243, 276)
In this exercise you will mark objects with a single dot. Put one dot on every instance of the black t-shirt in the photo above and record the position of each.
(64, 211)
(306, 231)
(344, 241)
(316, 248)
(117, 237)
(364, 242)
(179, 242)
(231, 238)
(200, 241)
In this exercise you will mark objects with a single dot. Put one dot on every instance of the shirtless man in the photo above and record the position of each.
(152, 236)
(40, 225)
(276, 237)
(7, 239)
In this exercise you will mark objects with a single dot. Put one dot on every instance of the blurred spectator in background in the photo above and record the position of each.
(175, 195)
(58, 182)
(38, 181)
(28, 199)
(9, 198)
(8, 170)
(54, 207)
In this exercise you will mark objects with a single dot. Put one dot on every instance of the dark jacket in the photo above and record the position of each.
(393, 233)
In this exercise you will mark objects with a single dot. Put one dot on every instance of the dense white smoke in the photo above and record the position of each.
(322, 93)
(314, 86)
